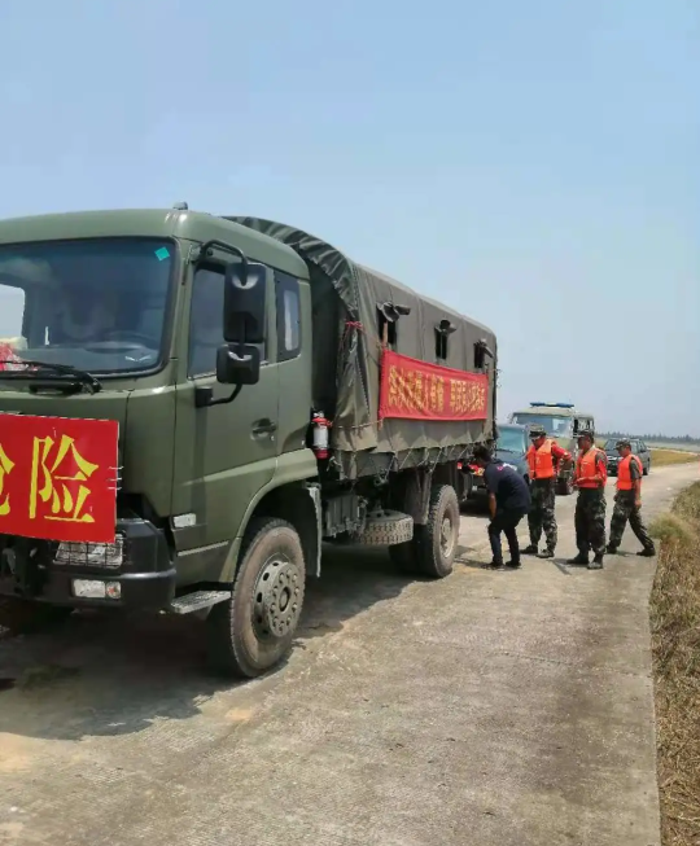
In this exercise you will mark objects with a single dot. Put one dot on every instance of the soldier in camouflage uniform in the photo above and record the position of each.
(543, 459)
(591, 476)
(628, 502)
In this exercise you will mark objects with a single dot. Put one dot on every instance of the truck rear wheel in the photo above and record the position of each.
(434, 546)
(22, 616)
(253, 631)
(565, 486)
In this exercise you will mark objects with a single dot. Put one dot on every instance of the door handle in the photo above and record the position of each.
(264, 427)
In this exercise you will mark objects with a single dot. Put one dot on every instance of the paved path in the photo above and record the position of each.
(489, 708)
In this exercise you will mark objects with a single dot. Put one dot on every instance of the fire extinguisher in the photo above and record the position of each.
(321, 439)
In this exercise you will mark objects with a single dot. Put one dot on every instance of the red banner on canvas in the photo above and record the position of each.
(58, 478)
(415, 390)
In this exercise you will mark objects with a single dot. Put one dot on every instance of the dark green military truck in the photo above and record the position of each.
(191, 405)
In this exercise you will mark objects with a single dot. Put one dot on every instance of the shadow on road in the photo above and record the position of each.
(110, 675)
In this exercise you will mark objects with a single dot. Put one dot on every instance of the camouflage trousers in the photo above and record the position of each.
(541, 515)
(623, 511)
(589, 521)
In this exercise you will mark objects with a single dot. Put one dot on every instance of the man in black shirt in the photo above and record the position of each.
(509, 502)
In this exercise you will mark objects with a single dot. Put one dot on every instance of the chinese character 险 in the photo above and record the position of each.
(68, 502)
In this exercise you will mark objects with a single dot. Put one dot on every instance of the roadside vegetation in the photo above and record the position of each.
(662, 457)
(675, 622)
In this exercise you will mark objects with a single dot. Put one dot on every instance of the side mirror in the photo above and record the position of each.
(238, 364)
(245, 303)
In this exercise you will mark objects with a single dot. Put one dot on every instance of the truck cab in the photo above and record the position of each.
(562, 422)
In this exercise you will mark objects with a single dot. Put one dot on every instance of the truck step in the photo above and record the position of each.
(197, 601)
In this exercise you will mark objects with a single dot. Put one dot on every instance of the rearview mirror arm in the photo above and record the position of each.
(204, 397)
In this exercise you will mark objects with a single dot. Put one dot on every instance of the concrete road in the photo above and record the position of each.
(489, 708)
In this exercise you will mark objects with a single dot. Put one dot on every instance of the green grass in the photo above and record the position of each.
(675, 623)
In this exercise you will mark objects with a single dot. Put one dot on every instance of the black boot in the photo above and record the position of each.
(546, 553)
(530, 550)
(610, 549)
(647, 553)
(581, 558)
(597, 563)
(512, 565)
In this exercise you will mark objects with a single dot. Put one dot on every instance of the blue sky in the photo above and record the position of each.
(533, 164)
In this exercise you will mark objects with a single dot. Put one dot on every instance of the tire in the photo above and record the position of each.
(22, 616)
(432, 551)
(565, 487)
(645, 470)
(387, 528)
(254, 630)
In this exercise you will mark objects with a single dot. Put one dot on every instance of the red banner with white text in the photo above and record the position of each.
(415, 390)
(58, 478)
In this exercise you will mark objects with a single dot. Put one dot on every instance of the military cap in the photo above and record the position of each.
(536, 431)
(586, 433)
(623, 442)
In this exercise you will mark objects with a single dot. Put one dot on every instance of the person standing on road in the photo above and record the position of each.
(509, 502)
(591, 476)
(543, 460)
(628, 502)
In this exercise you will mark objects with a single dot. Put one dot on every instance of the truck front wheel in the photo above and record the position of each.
(253, 631)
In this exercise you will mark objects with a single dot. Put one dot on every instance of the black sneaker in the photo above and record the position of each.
(611, 550)
(597, 563)
(546, 553)
(579, 559)
(647, 553)
(494, 565)
(530, 550)
(513, 565)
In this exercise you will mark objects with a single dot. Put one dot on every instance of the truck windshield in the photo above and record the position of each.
(95, 304)
(558, 427)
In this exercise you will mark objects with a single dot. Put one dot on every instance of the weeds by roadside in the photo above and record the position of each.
(664, 457)
(675, 622)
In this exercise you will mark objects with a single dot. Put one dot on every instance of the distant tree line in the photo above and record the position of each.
(681, 440)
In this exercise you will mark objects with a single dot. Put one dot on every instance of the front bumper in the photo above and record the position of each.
(44, 571)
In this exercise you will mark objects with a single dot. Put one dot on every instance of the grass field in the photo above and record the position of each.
(663, 457)
(675, 623)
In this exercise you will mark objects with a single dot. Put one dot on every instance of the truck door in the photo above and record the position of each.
(224, 454)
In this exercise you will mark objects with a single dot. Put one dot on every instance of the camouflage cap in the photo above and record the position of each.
(537, 431)
(585, 433)
(623, 442)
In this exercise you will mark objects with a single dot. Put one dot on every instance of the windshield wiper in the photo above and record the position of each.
(84, 378)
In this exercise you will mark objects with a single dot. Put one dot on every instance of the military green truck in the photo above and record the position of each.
(191, 405)
(562, 421)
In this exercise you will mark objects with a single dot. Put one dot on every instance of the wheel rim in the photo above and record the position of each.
(447, 537)
(276, 606)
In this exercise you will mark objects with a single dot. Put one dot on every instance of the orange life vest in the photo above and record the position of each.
(586, 468)
(624, 476)
(540, 461)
